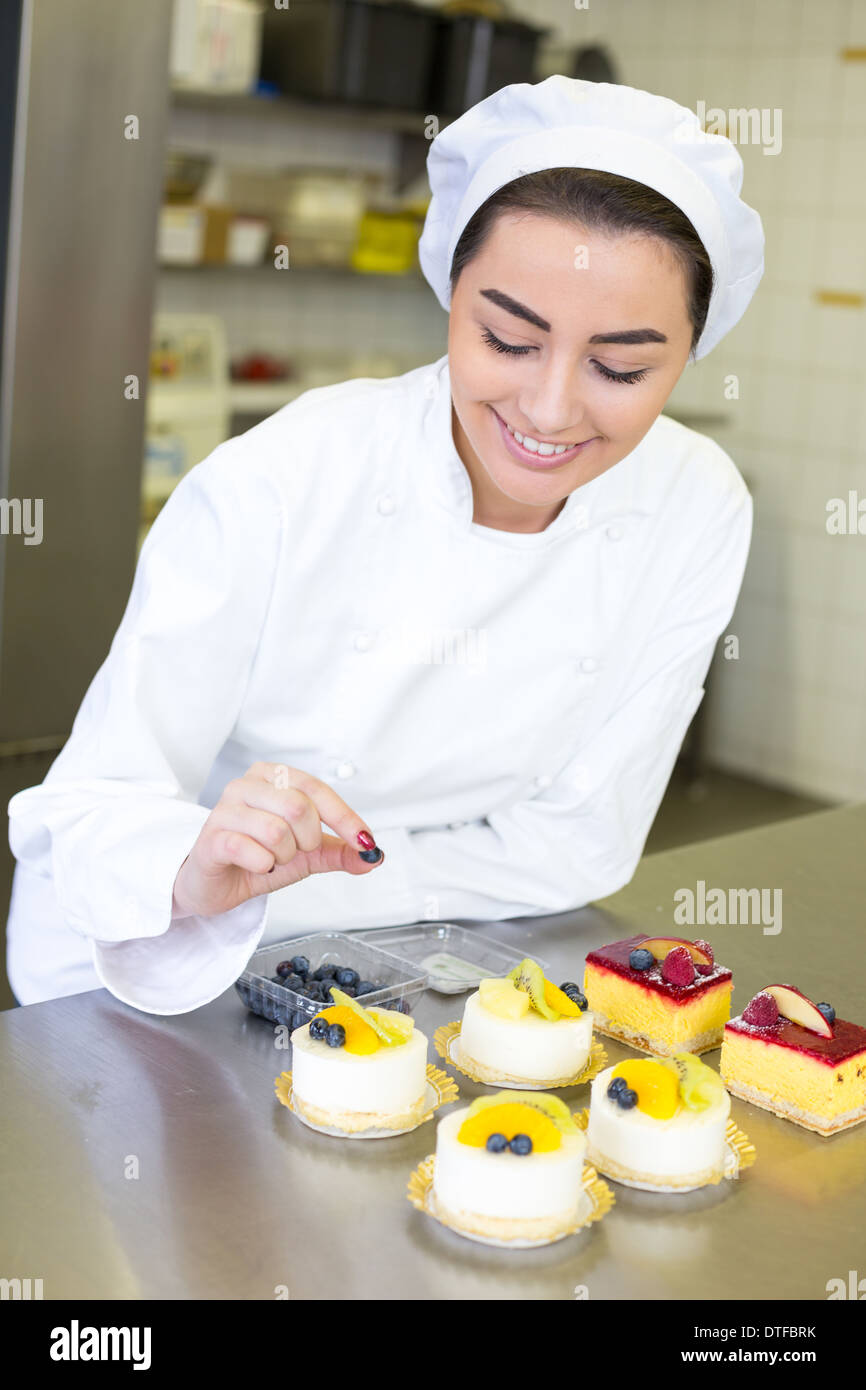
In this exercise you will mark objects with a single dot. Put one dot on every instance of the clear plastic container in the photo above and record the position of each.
(401, 978)
(454, 958)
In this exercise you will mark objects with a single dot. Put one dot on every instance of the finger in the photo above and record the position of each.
(335, 855)
(233, 847)
(269, 830)
(332, 809)
(292, 807)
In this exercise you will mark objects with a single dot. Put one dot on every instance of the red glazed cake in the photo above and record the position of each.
(659, 994)
(798, 1060)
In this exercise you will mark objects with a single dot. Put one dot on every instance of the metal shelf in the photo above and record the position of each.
(289, 108)
(412, 276)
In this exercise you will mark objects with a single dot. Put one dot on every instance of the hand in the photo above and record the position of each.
(266, 832)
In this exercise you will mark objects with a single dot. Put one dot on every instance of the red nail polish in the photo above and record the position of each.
(366, 840)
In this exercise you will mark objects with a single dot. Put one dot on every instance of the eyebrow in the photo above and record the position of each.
(520, 311)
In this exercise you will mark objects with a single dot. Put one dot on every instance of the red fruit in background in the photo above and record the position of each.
(678, 967)
(660, 946)
(762, 1011)
(793, 1004)
(708, 951)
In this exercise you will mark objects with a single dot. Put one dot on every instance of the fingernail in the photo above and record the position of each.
(371, 856)
(366, 840)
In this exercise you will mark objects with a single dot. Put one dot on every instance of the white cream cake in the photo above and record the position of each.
(670, 1135)
(381, 1087)
(506, 1195)
(504, 1037)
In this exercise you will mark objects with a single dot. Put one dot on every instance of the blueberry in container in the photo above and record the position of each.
(400, 981)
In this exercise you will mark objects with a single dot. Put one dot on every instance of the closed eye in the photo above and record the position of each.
(498, 345)
(627, 378)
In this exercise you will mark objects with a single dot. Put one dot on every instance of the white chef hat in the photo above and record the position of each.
(565, 121)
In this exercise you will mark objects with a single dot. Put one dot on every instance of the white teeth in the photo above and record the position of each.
(535, 447)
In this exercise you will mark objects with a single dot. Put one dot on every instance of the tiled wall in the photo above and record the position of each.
(791, 708)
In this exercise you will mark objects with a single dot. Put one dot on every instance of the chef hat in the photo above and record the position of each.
(565, 121)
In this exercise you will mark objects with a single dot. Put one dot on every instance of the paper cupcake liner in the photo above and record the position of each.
(446, 1042)
(441, 1090)
(597, 1202)
(740, 1155)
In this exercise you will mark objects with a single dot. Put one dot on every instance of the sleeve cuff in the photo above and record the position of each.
(185, 967)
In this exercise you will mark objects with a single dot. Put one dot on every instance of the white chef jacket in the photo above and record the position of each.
(503, 710)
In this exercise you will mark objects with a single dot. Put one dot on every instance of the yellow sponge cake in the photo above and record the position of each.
(798, 1060)
(660, 994)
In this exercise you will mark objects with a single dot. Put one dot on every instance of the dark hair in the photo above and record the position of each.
(606, 203)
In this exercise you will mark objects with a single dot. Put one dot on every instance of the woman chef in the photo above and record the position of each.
(424, 647)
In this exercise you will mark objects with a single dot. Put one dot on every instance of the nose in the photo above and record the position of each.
(552, 403)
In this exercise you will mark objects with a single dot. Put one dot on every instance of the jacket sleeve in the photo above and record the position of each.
(117, 812)
(581, 838)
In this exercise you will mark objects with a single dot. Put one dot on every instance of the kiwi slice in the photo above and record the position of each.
(551, 1106)
(391, 1028)
(700, 1086)
(530, 977)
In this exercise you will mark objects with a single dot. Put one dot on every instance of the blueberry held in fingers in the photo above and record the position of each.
(371, 856)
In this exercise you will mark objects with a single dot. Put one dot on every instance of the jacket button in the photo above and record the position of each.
(363, 641)
(589, 664)
(386, 505)
(345, 770)
(614, 533)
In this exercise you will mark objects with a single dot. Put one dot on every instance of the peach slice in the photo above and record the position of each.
(660, 945)
(554, 996)
(509, 1119)
(657, 1086)
(794, 1005)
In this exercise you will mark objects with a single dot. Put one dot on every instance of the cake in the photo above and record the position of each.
(798, 1060)
(355, 1069)
(659, 1123)
(510, 1167)
(525, 1030)
(662, 994)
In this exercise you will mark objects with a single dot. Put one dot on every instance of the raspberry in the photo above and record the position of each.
(678, 967)
(762, 1011)
(708, 950)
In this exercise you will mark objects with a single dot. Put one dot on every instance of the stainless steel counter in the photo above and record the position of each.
(145, 1157)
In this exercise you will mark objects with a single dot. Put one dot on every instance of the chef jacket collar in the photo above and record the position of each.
(620, 494)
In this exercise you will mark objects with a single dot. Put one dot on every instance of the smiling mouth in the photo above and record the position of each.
(540, 448)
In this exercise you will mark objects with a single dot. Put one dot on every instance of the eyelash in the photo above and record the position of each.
(628, 378)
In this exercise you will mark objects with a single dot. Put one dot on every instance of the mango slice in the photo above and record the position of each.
(509, 1119)
(657, 1086)
(361, 1039)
